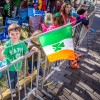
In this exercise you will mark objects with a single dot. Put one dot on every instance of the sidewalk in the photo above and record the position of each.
(83, 83)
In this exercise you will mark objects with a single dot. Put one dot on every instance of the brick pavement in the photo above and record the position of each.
(83, 83)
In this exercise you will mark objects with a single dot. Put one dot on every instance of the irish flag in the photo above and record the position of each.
(58, 44)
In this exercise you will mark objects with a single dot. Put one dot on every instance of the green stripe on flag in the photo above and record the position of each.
(55, 36)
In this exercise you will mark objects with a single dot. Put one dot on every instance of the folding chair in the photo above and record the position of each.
(3, 34)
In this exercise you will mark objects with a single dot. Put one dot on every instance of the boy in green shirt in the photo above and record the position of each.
(12, 50)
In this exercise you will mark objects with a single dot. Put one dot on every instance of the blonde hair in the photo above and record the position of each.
(14, 27)
(34, 37)
(48, 17)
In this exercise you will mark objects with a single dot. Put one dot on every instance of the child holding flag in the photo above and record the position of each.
(34, 41)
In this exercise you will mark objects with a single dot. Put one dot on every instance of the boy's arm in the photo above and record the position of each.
(2, 56)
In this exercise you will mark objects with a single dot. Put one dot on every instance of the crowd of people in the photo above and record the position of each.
(69, 10)
(11, 8)
(58, 13)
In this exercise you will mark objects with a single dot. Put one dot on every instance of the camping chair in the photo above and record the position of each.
(3, 34)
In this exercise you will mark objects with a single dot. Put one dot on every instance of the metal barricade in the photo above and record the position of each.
(80, 31)
(4, 69)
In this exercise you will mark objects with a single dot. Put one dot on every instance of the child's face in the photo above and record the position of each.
(7, 1)
(14, 35)
(67, 9)
(49, 17)
(55, 22)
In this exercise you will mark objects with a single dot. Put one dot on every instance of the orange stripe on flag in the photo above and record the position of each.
(62, 55)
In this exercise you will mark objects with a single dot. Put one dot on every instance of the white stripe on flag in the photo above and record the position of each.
(68, 46)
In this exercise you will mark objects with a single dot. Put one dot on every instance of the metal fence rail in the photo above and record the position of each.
(79, 32)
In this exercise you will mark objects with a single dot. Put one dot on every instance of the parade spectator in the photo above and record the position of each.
(17, 7)
(35, 4)
(57, 22)
(40, 4)
(24, 4)
(84, 19)
(12, 50)
(75, 4)
(73, 12)
(34, 41)
(48, 19)
(7, 10)
(52, 6)
(65, 13)
(58, 6)
(47, 22)
(44, 6)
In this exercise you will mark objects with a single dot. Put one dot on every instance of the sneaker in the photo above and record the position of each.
(19, 86)
(13, 93)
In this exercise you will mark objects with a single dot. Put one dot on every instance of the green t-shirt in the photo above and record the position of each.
(13, 52)
(17, 2)
(6, 6)
(48, 22)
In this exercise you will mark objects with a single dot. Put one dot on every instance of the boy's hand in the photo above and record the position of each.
(1, 48)
(35, 49)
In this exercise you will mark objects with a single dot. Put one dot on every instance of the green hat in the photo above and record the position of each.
(57, 14)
